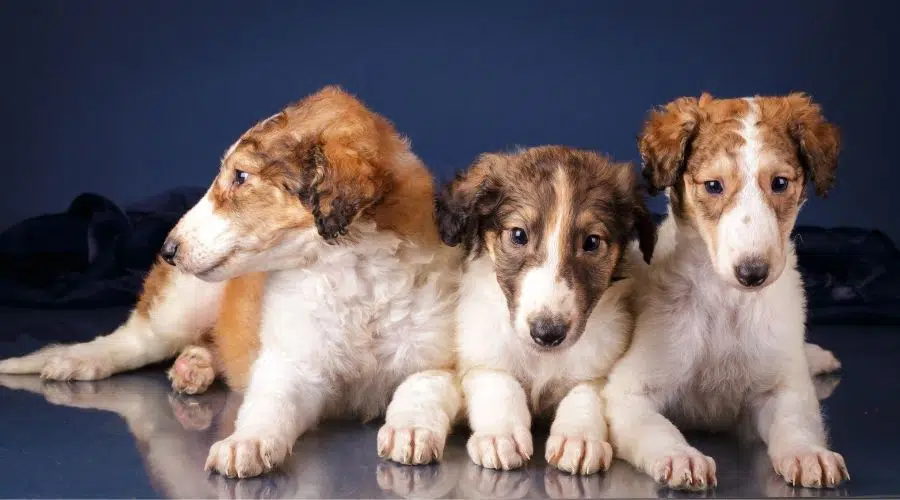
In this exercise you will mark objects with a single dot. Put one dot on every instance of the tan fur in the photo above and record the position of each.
(154, 286)
(235, 337)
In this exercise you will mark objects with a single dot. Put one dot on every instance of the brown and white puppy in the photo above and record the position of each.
(720, 325)
(314, 253)
(540, 322)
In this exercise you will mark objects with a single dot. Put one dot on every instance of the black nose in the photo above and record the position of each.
(548, 332)
(168, 251)
(752, 272)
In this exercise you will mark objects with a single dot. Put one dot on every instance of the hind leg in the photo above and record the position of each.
(193, 371)
(173, 311)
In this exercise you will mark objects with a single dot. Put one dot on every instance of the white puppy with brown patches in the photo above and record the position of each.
(719, 332)
(539, 321)
(314, 253)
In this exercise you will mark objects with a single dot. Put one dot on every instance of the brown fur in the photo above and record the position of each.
(690, 141)
(326, 160)
(528, 190)
(154, 286)
(235, 338)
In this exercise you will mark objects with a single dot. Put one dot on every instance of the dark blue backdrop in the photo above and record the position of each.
(129, 98)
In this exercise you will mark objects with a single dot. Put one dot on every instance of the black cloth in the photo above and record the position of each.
(96, 254)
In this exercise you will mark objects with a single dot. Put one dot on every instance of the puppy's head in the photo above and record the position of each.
(555, 222)
(291, 184)
(736, 171)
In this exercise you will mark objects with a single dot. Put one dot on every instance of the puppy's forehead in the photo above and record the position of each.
(585, 175)
(259, 139)
(724, 126)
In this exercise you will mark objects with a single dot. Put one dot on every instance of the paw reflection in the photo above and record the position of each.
(558, 484)
(193, 414)
(423, 481)
(270, 486)
(480, 482)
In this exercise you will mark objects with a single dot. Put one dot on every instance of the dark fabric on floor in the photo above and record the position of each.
(96, 254)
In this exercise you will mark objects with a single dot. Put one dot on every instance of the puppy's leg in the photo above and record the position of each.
(419, 418)
(499, 418)
(820, 360)
(642, 436)
(285, 398)
(578, 437)
(789, 422)
(174, 310)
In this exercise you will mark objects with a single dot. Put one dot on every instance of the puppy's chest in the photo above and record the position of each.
(356, 310)
(733, 358)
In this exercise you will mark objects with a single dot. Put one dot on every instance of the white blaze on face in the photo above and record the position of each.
(204, 237)
(235, 145)
(543, 291)
(749, 229)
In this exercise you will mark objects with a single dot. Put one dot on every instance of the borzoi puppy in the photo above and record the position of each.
(719, 331)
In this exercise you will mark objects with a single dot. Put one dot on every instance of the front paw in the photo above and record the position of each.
(686, 469)
(504, 451)
(240, 456)
(814, 468)
(410, 445)
(578, 454)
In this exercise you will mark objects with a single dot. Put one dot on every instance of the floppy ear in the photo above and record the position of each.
(818, 142)
(462, 204)
(641, 220)
(337, 184)
(664, 144)
(645, 227)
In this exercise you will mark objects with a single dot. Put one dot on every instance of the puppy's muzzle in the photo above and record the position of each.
(169, 250)
(549, 332)
(752, 271)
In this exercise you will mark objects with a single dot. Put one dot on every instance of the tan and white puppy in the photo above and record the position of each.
(314, 253)
(540, 322)
(719, 332)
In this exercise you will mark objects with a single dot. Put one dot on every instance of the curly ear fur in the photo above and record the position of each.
(818, 142)
(664, 143)
(462, 204)
(337, 184)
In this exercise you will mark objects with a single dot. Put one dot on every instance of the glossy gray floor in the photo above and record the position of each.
(129, 436)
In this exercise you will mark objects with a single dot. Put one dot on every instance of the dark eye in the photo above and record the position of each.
(592, 243)
(713, 187)
(779, 184)
(519, 236)
(240, 177)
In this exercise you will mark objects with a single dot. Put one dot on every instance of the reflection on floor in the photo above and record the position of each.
(129, 436)
(173, 434)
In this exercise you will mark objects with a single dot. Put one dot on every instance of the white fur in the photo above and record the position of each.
(205, 237)
(338, 337)
(750, 229)
(707, 354)
(506, 379)
(543, 290)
